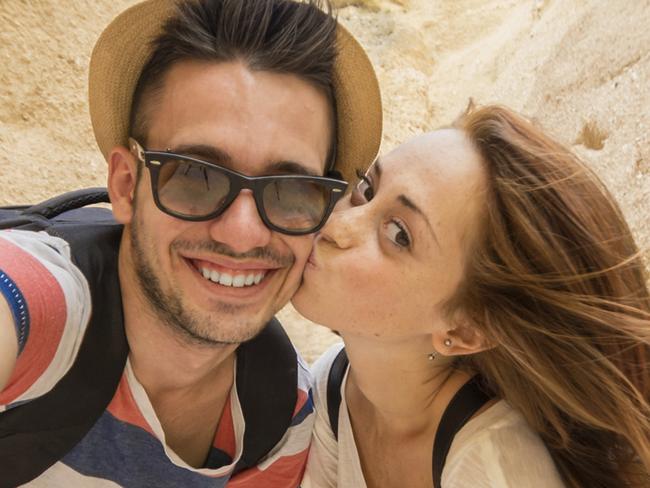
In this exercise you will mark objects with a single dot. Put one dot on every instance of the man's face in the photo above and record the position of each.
(261, 122)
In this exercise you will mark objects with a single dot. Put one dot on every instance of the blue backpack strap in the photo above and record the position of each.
(334, 380)
(37, 434)
(465, 403)
(267, 386)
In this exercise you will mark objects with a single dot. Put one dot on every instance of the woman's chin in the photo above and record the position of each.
(301, 301)
(309, 305)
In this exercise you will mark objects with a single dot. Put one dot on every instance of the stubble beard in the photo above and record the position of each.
(198, 329)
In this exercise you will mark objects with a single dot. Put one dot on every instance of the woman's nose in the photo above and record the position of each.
(343, 226)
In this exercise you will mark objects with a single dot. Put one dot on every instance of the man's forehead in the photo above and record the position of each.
(269, 123)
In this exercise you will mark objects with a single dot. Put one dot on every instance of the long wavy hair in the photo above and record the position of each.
(558, 285)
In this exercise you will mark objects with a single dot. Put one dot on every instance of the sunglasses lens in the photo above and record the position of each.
(295, 204)
(191, 189)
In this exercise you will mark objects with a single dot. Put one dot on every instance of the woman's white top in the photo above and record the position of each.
(496, 449)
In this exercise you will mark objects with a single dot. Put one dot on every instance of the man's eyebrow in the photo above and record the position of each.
(218, 156)
(408, 203)
(290, 167)
(202, 151)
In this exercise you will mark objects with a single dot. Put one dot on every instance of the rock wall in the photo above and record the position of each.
(581, 68)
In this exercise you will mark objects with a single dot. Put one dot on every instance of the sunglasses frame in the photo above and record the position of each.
(154, 160)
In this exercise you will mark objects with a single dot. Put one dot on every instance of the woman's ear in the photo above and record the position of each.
(122, 181)
(460, 339)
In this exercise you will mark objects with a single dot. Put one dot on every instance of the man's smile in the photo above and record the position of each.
(232, 279)
(237, 275)
(235, 279)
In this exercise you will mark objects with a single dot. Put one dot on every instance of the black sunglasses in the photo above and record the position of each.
(191, 189)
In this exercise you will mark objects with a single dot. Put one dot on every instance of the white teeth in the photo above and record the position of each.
(225, 279)
(237, 281)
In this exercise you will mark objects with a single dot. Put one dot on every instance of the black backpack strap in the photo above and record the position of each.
(334, 381)
(69, 201)
(465, 403)
(37, 217)
(37, 434)
(267, 386)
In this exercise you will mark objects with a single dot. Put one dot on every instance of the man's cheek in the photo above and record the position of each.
(302, 250)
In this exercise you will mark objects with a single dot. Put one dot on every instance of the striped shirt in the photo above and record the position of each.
(126, 446)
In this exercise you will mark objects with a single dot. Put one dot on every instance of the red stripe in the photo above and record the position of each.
(285, 472)
(225, 437)
(300, 401)
(124, 407)
(47, 310)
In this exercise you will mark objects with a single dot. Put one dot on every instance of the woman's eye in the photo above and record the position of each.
(398, 234)
(364, 187)
(366, 190)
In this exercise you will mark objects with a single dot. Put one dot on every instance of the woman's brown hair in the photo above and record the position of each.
(558, 284)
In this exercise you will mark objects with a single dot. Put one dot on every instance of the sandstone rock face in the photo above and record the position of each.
(581, 68)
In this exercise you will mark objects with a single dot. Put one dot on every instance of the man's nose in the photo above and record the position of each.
(240, 226)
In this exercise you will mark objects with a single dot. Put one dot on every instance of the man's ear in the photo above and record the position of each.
(461, 339)
(122, 181)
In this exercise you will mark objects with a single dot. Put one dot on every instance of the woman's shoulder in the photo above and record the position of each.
(323, 463)
(498, 448)
(323, 363)
(321, 368)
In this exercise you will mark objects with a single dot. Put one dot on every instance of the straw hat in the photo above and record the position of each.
(124, 48)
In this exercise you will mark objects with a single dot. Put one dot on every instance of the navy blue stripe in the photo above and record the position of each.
(131, 457)
(17, 404)
(305, 410)
(18, 307)
(217, 459)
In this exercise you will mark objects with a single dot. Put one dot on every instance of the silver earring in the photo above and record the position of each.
(447, 342)
(431, 356)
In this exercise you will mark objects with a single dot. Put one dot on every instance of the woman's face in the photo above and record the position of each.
(395, 249)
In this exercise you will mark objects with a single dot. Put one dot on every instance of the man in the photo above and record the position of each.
(218, 120)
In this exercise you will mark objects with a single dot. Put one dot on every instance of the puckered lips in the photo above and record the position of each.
(311, 261)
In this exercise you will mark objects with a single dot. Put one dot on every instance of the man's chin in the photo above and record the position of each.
(229, 328)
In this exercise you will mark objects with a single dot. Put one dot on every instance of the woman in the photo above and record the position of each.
(482, 248)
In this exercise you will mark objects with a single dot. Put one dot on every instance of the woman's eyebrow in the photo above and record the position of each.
(376, 167)
(408, 203)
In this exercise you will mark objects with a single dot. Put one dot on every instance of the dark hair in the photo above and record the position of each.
(558, 284)
(281, 36)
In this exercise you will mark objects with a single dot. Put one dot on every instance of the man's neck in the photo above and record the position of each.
(187, 386)
(162, 362)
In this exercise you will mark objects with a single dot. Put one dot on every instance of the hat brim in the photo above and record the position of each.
(124, 47)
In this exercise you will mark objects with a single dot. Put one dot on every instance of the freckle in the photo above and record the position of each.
(377, 334)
